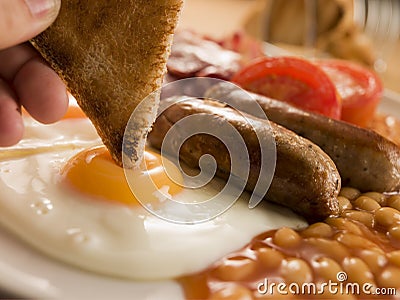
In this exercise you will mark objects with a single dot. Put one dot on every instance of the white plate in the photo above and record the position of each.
(28, 273)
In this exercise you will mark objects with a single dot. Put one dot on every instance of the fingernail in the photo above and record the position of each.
(41, 8)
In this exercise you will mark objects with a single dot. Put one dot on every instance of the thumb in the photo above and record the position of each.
(21, 20)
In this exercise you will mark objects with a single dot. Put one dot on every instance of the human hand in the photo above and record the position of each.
(25, 78)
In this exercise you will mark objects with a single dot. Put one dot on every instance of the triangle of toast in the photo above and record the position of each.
(111, 55)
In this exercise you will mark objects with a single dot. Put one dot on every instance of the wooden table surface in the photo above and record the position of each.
(222, 17)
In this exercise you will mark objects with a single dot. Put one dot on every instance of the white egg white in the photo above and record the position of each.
(108, 237)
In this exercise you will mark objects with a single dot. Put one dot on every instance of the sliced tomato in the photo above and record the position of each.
(359, 88)
(292, 80)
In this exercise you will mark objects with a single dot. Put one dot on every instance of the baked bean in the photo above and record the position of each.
(394, 201)
(344, 203)
(318, 230)
(295, 270)
(363, 217)
(355, 241)
(366, 203)
(332, 249)
(276, 295)
(235, 268)
(394, 232)
(378, 197)
(287, 238)
(375, 260)
(357, 270)
(387, 216)
(326, 268)
(319, 252)
(336, 296)
(233, 292)
(394, 257)
(349, 193)
(343, 224)
(343, 296)
(390, 277)
(270, 258)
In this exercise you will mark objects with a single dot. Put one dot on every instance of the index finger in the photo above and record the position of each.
(37, 87)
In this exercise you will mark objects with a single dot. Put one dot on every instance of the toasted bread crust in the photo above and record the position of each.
(111, 55)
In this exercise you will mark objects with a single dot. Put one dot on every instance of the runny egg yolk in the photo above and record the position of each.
(94, 173)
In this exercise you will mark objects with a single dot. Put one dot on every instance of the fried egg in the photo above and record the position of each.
(62, 193)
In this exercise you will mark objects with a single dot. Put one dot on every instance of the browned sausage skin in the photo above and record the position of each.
(365, 159)
(306, 179)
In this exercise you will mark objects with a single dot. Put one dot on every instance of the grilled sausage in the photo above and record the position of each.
(365, 159)
(306, 179)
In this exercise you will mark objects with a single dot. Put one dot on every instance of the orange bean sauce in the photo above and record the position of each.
(360, 248)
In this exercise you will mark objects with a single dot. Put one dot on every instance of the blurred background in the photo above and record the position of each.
(366, 31)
